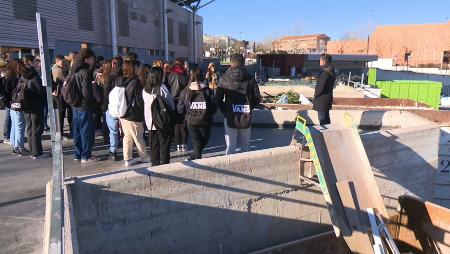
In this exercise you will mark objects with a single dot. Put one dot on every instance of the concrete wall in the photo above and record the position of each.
(234, 204)
(308, 91)
(239, 203)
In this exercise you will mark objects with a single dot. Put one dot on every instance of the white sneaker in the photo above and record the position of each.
(143, 160)
(130, 163)
(42, 156)
(90, 160)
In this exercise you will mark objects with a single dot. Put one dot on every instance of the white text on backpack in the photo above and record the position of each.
(241, 108)
(198, 105)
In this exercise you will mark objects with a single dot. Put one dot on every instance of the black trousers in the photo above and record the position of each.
(63, 108)
(181, 133)
(34, 131)
(200, 138)
(324, 117)
(160, 144)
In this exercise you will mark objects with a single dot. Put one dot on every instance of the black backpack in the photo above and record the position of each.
(71, 92)
(199, 111)
(162, 115)
(240, 114)
(20, 100)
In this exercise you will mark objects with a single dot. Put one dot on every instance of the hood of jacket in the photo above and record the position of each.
(236, 74)
(330, 69)
(197, 86)
(79, 66)
(178, 70)
(29, 73)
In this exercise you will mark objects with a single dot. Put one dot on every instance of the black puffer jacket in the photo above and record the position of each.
(323, 95)
(9, 83)
(236, 81)
(177, 80)
(84, 78)
(133, 94)
(36, 91)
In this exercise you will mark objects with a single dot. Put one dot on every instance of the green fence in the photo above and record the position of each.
(372, 79)
(427, 92)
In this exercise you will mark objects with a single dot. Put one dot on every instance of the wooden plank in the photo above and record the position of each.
(348, 201)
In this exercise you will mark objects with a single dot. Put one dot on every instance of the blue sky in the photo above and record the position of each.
(261, 19)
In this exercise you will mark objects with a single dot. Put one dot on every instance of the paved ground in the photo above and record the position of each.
(22, 183)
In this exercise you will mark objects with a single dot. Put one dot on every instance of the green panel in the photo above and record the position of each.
(404, 90)
(395, 90)
(413, 91)
(423, 93)
(372, 79)
(385, 89)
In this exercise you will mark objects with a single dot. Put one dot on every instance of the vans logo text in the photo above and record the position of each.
(198, 105)
(241, 108)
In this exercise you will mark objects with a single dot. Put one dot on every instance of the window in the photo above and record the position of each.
(25, 10)
(124, 26)
(156, 52)
(151, 52)
(171, 53)
(183, 34)
(170, 29)
(156, 22)
(123, 50)
(133, 16)
(143, 18)
(84, 13)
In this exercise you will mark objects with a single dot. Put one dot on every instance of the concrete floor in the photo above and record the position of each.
(22, 185)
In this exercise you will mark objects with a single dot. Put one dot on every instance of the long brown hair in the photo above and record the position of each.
(107, 69)
(143, 73)
(129, 68)
(14, 68)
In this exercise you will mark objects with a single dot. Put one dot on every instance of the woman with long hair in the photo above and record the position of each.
(160, 141)
(132, 121)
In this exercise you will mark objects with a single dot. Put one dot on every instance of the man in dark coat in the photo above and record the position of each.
(323, 95)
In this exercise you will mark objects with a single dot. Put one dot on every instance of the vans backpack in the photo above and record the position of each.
(118, 105)
(71, 92)
(199, 109)
(20, 100)
(240, 114)
(162, 116)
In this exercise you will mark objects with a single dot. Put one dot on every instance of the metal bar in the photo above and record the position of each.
(113, 22)
(56, 224)
(165, 31)
(194, 35)
(201, 6)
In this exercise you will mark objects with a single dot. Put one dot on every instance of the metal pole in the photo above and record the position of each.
(56, 224)
(194, 35)
(113, 21)
(165, 31)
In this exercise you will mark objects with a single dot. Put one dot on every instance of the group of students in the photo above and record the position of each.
(125, 98)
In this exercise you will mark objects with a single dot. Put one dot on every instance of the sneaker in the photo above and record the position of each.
(42, 156)
(23, 152)
(6, 141)
(76, 159)
(112, 156)
(146, 160)
(178, 148)
(90, 160)
(130, 163)
(15, 150)
(183, 148)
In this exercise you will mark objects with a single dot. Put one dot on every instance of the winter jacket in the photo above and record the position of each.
(149, 97)
(177, 80)
(183, 106)
(133, 95)
(323, 95)
(36, 92)
(236, 81)
(83, 78)
(9, 84)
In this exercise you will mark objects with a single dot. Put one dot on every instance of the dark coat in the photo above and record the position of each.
(236, 80)
(323, 95)
(84, 78)
(183, 106)
(177, 80)
(36, 95)
(133, 94)
(9, 84)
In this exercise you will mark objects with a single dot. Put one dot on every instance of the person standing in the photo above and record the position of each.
(159, 140)
(59, 75)
(212, 77)
(196, 103)
(83, 114)
(34, 112)
(133, 120)
(6, 98)
(112, 70)
(323, 95)
(178, 80)
(236, 96)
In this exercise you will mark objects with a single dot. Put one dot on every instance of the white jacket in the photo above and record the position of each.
(148, 100)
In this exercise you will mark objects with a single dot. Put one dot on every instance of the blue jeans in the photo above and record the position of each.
(83, 133)
(7, 124)
(17, 136)
(44, 119)
(113, 126)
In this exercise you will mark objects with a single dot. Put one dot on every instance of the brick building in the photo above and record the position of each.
(302, 44)
(351, 47)
(425, 43)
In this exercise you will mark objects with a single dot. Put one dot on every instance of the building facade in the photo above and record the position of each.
(423, 43)
(302, 44)
(350, 47)
(76, 24)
